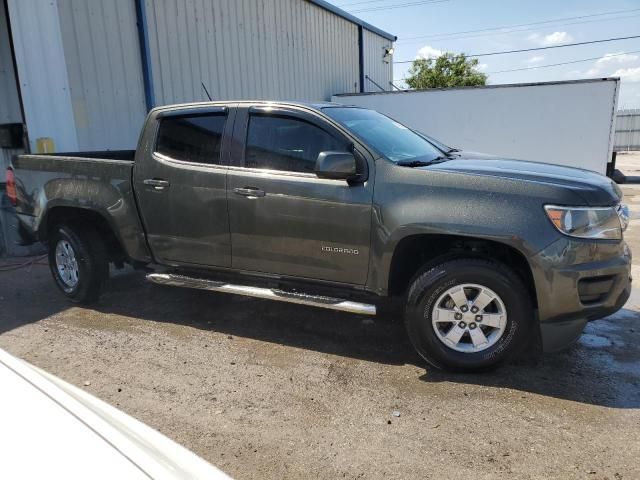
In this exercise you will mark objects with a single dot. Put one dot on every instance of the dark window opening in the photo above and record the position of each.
(287, 144)
(192, 138)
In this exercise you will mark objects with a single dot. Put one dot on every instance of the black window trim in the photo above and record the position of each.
(193, 112)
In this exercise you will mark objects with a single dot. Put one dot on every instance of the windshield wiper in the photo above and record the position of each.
(421, 163)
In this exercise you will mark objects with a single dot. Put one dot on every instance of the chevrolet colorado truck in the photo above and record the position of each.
(342, 208)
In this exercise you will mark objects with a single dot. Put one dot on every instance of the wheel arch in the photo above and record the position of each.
(413, 252)
(61, 214)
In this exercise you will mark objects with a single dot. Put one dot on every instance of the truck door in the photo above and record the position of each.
(284, 219)
(180, 185)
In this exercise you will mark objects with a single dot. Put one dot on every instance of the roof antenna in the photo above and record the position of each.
(206, 91)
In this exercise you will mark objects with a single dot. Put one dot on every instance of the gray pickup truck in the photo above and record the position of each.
(342, 208)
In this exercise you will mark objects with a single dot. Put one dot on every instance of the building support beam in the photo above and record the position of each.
(4, 15)
(361, 57)
(145, 53)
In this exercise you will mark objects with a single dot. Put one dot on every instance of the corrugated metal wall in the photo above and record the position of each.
(103, 62)
(273, 49)
(39, 52)
(82, 73)
(376, 66)
(9, 113)
(627, 130)
(9, 103)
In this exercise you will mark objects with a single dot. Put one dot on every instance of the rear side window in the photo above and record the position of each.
(191, 138)
(287, 144)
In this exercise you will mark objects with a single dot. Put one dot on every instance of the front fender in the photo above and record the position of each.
(417, 202)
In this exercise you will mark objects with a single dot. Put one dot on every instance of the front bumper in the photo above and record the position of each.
(578, 281)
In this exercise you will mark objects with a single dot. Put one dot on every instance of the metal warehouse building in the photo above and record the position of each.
(627, 130)
(82, 74)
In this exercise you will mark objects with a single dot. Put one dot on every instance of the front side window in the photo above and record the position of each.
(388, 137)
(191, 138)
(287, 144)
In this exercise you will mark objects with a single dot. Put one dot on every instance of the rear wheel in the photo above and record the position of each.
(78, 262)
(468, 314)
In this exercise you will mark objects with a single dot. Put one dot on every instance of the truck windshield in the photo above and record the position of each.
(388, 137)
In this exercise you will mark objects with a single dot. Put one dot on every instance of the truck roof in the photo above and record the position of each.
(313, 105)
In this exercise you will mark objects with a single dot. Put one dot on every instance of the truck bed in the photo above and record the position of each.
(97, 182)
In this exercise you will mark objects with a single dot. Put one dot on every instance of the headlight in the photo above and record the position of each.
(587, 222)
(623, 213)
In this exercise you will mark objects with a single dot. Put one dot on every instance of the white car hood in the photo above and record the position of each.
(51, 429)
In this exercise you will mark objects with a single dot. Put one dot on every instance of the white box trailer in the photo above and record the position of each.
(565, 123)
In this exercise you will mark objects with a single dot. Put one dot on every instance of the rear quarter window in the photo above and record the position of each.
(191, 138)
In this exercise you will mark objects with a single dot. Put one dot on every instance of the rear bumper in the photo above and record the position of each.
(578, 281)
(25, 227)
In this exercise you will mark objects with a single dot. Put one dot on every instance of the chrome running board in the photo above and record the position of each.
(267, 293)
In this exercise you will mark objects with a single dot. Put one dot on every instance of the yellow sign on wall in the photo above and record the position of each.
(45, 145)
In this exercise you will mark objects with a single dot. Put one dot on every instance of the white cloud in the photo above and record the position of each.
(482, 67)
(554, 38)
(536, 59)
(429, 52)
(628, 74)
(557, 38)
(609, 60)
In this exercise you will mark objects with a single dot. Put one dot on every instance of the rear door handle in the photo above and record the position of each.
(249, 192)
(156, 183)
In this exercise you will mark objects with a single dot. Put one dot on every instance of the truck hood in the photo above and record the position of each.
(594, 188)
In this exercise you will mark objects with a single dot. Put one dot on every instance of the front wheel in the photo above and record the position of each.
(468, 314)
(78, 262)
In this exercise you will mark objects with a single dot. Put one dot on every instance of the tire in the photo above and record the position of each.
(82, 254)
(434, 319)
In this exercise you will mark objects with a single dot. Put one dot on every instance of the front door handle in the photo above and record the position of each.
(156, 183)
(251, 192)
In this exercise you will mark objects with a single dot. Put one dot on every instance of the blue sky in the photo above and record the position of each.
(426, 21)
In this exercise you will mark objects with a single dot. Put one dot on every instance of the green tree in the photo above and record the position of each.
(448, 70)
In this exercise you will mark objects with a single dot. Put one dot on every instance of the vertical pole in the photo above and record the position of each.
(16, 77)
(361, 57)
(145, 53)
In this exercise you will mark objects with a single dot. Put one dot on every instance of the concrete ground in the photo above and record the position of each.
(629, 164)
(268, 390)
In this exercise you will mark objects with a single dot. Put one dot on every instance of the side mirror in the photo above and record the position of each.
(336, 165)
